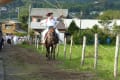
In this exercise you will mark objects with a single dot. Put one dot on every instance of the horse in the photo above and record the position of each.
(51, 40)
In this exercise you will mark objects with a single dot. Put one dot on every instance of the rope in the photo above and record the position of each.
(51, 4)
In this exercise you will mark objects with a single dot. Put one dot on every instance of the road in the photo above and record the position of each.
(26, 64)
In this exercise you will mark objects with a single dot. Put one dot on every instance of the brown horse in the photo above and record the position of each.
(50, 43)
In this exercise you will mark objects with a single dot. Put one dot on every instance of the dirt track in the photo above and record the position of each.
(26, 64)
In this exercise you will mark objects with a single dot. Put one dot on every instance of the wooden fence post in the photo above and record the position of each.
(57, 51)
(65, 49)
(37, 43)
(96, 51)
(83, 50)
(35, 40)
(116, 56)
(71, 43)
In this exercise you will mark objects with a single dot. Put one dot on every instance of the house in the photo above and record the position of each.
(38, 14)
(11, 27)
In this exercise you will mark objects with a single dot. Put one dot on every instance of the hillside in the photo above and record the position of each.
(87, 6)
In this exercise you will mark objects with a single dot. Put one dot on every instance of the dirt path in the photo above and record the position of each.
(26, 64)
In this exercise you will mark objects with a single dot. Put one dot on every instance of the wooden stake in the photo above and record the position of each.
(116, 56)
(83, 50)
(96, 51)
(71, 47)
(65, 49)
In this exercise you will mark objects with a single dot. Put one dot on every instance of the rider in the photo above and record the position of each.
(50, 21)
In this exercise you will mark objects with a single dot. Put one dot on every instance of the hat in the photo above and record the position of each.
(49, 14)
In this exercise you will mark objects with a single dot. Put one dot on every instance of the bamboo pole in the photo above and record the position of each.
(116, 56)
(71, 43)
(65, 49)
(57, 51)
(37, 43)
(83, 50)
(96, 51)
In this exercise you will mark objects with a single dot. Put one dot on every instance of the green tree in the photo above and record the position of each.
(116, 29)
(74, 30)
(96, 29)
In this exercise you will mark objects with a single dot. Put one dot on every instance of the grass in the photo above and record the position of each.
(105, 64)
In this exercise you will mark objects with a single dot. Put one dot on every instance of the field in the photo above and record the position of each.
(105, 64)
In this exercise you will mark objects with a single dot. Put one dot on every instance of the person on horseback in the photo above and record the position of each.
(50, 22)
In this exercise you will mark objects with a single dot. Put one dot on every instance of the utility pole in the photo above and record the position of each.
(29, 26)
(80, 21)
(18, 10)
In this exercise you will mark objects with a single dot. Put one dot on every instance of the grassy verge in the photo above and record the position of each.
(105, 64)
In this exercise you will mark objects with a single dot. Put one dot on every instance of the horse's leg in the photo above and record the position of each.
(54, 46)
(51, 52)
(48, 52)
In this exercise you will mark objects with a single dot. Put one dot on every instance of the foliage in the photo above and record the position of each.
(32, 33)
(116, 29)
(20, 34)
(74, 30)
(110, 15)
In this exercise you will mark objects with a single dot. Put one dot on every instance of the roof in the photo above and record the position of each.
(44, 11)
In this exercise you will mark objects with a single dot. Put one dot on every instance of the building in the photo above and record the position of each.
(11, 27)
(89, 23)
(38, 14)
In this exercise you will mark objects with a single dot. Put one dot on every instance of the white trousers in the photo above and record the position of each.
(46, 30)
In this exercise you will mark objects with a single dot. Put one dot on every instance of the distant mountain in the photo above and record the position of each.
(87, 6)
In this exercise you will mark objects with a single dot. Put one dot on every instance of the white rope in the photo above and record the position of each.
(50, 4)
(58, 4)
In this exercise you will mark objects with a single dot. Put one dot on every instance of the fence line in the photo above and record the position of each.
(95, 54)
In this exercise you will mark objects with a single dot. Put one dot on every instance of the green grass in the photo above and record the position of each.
(105, 64)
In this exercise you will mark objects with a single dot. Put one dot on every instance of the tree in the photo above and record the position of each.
(105, 23)
(116, 29)
(74, 30)
(110, 14)
(96, 29)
